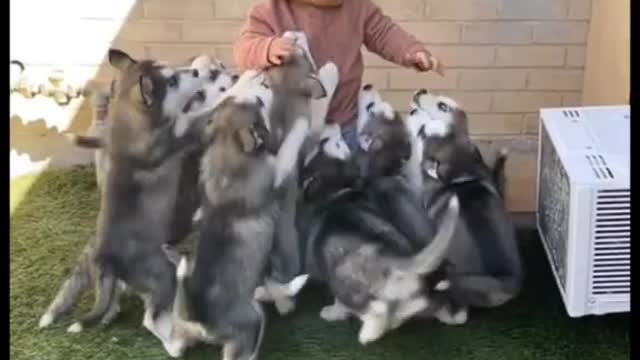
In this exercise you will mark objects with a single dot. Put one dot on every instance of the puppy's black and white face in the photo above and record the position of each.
(382, 135)
(436, 116)
(328, 167)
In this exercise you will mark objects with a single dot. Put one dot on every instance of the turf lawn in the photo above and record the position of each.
(53, 215)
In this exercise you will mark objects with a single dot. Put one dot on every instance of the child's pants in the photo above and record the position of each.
(350, 135)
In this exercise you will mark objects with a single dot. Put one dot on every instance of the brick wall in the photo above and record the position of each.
(506, 58)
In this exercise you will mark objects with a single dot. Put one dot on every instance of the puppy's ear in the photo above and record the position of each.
(314, 88)
(146, 90)
(120, 59)
(460, 122)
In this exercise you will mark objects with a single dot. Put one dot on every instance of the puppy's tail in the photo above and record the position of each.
(85, 141)
(429, 258)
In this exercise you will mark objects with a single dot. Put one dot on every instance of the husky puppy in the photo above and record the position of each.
(215, 298)
(211, 73)
(138, 197)
(301, 98)
(487, 269)
(370, 266)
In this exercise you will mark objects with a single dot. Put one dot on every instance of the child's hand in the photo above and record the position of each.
(280, 50)
(425, 62)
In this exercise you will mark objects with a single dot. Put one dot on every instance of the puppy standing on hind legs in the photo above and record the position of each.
(215, 296)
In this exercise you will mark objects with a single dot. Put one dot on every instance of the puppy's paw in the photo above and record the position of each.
(334, 313)
(371, 330)
(329, 76)
(445, 316)
(75, 328)
(261, 294)
(175, 348)
(285, 305)
(460, 317)
(443, 285)
(46, 320)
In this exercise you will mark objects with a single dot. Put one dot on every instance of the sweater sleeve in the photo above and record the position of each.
(387, 39)
(251, 49)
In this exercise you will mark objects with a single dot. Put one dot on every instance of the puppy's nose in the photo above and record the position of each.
(235, 78)
(367, 87)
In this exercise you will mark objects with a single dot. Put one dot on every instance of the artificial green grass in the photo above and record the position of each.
(57, 214)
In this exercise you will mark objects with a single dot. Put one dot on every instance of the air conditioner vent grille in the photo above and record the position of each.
(554, 205)
(612, 243)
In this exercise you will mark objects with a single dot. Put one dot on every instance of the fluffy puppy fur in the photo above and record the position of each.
(487, 269)
(215, 299)
(138, 198)
(301, 98)
(369, 265)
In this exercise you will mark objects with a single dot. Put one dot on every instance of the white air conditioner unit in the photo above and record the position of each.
(584, 208)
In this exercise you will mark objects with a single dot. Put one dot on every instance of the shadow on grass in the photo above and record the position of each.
(57, 215)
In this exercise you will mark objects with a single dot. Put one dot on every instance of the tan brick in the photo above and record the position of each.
(497, 33)
(524, 101)
(407, 79)
(521, 173)
(492, 79)
(133, 48)
(561, 32)
(183, 10)
(471, 101)
(462, 9)
(115, 9)
(576, 56)
(178, 53)
(579, 9)
(379, 78)
(399, 100)
(236, 9)
(434, 32)
(572, 99)
(402, 9)
(534, 9)
(530, 56)
(150, 31)
(225, 54)
(564, 79)
(465, 56)
(495, 124)
(218, 31)
(531, 123)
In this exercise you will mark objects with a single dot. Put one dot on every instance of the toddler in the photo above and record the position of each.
(336, 30)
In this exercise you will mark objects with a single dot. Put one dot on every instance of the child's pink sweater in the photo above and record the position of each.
(335, 34)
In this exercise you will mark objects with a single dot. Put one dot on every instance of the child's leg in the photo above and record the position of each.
(350, 135)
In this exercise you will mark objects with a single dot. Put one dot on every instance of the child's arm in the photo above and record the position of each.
(388, 40)
(258, 46)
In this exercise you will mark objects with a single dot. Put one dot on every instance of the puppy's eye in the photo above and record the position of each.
(413, 112)
(264, 84)
(443, 107)
(213, 75)
(370, 106)
(200, 95)
(223, 89)
(195, 73)
(172, 81)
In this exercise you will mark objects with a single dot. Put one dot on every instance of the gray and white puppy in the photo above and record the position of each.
(487, 269)
(138, 198)
(301, 98)
(369, 265)
(215, 298)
